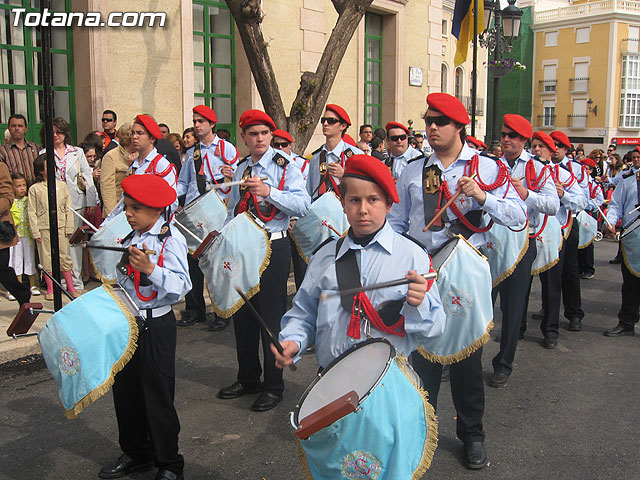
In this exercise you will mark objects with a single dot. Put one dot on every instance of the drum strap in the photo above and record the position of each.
(387, 319)
(432, 194)
(262, 209)
(638, 186)
(327, 183)
(201, 181)
(153, 168)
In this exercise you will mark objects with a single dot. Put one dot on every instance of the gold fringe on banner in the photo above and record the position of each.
(511, 269)
(462, 354)
(625, 259)
(104, 280)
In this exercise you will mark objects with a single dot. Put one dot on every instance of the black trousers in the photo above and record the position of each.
(586, 263)
(271, 302)
(551, 293)
(194, 300)
(10, 281)
(143, 394)
(629, 311)
(299, 265)
(571, 277)
(514, 298)
(467, 391)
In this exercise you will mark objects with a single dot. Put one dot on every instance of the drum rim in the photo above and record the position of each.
(628, 229)
(392, 354)
(197, 200)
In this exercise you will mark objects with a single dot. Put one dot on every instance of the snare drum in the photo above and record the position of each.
(202, 216)
(236, 258)
(392, 434)
(87, 342)
(464, 282)
(110, 234)
(587, 229)
(504, 248)
(311, 230)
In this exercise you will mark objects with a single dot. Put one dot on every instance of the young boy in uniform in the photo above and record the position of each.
(143, 391)
(372, 248)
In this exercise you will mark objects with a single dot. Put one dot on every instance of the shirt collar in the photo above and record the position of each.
(152, 154)
(214, 142)
(27, 143)
(154, 230)
(339, 148)
(465, 155)
(384, 238)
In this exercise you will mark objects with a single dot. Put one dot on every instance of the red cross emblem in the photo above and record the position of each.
(456, 301)
(118, 240)
(539, 239)
(200, 225)
(226, 265)
(490, 245)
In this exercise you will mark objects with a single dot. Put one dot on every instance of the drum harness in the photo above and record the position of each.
(327, 183)
(153, 169)
(198, 165)
(556, 176)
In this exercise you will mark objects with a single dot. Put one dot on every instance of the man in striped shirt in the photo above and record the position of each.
(18, 153)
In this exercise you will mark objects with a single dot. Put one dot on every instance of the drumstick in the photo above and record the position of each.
(263, 324)
(331, 227)
(64, 290)
(392, 283)
(231, 184)
(193, 235)
(445, 206)
(605, 218)
(635, 209)
(119, 249)
(91, 225)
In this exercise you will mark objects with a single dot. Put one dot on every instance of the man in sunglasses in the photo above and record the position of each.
(400, 152)
(109, 122)
(423, 187)
(327, 162)
(571, 297)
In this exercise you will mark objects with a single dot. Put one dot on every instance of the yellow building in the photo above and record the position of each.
(587, 71)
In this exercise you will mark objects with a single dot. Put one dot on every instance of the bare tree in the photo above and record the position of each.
(314, 86)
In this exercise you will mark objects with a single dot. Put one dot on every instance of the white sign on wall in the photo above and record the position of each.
(415, 76)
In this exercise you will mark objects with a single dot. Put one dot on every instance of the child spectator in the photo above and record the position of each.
(22, 256)
(38, 208)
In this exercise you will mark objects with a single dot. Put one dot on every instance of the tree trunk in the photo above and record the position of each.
(314, 86)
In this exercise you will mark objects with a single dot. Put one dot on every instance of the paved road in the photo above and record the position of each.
(566, 413)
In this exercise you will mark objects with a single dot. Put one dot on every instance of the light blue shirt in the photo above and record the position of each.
(292, 201)
(212, 164)
(335, 155)
(542, 201)
(400, 162)
(598, 199)
(623, 200)
(171, 280)
(616, 180)
(582, 177)
(389, 256)
(503, 204)
(574, 199)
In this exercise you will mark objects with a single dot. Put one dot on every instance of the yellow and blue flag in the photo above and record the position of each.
(462, 27)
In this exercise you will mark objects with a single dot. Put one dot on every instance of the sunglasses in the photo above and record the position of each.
(329, 120)
(280, 144)
(440, 120)
(107, 119)
(395, 138)
(509, 134)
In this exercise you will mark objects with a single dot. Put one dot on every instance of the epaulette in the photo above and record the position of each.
(165, 232)
(419, 157)
(414, 240)
(566, 167)
(316, 151)
(628, 174)
(348, 152)
(280, 160)
(485, 153)
(244, 159)
(327, 241)
(127, 237)
(540, 159)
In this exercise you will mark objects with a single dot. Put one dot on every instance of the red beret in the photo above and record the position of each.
(150, 124)
(561, 138)
(546, 139)
(206, 112)
(448, 105)
(391, 125)
(638, 149)
(479, 144)
(518, 124)
(340, 112)
(283, 134)
(369, 168)
(589, 162)
(150, 190)
(349, 139)
(256, 117)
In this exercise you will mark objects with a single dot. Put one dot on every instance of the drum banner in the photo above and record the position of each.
(236, 258)
(548, 246)
(368, 443)
(85, 344)
(201, 216)
(317, 225)
(631, 251)
(566, 231)
(588, 228)
(104, 262)
(504, 248)
(464, 282)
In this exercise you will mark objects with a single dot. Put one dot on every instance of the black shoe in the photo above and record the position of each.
(587, 276)
(475, 455)
(619, 331)
(218, 324)
(266, 401)
(498, 380)
(550, 343)
(538, 315)
(237, 390)
(575, 325)
(124, 466)
(168, 475)
(616, 261)
(189, 317)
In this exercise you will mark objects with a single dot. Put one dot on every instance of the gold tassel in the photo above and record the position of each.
(546, 267)
(300, 252)
(511, 269)
(462, 354)
(105, 386)
(98, 275)
(302, 458)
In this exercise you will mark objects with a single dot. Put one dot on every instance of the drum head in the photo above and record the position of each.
(441, 255)
(121, 294)
(359, 369)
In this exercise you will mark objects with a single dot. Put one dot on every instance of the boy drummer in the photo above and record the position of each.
(404, 314)
(143, 391)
